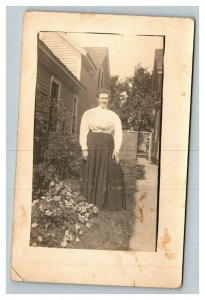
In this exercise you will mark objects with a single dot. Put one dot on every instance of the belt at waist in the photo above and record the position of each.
(101, 130)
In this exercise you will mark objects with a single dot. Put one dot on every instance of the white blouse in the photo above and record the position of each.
(101, 120)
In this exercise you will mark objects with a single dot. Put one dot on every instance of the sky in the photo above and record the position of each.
(125, 51)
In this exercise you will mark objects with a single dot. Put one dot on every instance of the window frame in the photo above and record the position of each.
(58, 82)
(75, 105)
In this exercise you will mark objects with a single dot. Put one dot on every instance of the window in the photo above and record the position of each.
(101, 79)
(74, 116)
(53, 114)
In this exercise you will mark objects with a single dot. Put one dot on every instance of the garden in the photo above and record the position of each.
(62, 218)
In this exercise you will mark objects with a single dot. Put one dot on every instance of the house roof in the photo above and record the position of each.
(73, 79)
(97, 54)
(67, 51)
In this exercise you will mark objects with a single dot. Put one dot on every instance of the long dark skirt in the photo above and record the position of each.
(101, 178)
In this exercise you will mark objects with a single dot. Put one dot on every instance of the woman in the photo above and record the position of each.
(102, 180)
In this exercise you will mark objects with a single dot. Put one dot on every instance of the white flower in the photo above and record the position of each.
(77, 239)
(71, 201)
(70, 237)
(48, 213)
(49, 199)
(34, 244)
(95, 210)
(42, 207)
(87, 215)
(34, 225)
(83, 209)
(61, 183)
(87, 225)
(64, 243)
(77, 226)
(80, 232)
(52, 183)
(43, 197)
(35, 201)
(56, 198)
(40, 238)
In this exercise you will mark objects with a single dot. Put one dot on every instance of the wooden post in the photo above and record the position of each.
(150, 147)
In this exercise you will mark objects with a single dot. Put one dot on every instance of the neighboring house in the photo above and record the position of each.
(68, 77)
(157, 90)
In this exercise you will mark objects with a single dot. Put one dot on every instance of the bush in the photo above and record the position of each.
(42, 176)
(61, 216)
(132, 167)
(64, 153)
(62, 161)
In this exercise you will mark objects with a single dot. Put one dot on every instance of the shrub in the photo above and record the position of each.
(42, 176)
(61, 216)
(62, 161)
(132, 167)
(64, 153)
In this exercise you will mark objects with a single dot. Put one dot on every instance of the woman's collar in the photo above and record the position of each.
(104, 108)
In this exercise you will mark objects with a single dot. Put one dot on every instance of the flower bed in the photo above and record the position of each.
(61, 216)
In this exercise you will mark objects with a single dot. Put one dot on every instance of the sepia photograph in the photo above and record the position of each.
(96, 141)
(102, 147)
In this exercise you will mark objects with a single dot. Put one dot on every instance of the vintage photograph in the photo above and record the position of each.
(102, 149)
(96, 137)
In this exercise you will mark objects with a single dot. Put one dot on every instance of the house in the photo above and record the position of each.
(157, 91)
(68, 77)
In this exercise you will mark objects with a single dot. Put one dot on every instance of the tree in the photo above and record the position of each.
(136, 112)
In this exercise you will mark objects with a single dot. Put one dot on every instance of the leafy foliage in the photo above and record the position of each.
(133, 100)
(132, 168)
(62, 161)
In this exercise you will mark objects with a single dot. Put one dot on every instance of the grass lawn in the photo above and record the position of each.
(111, 230)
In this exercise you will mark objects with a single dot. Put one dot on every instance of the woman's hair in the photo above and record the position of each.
(103, 91)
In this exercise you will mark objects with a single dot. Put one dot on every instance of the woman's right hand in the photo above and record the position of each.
(85, 154)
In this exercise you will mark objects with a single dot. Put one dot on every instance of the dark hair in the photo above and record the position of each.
(103, 91)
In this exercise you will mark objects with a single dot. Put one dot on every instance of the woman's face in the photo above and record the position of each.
(103, 100)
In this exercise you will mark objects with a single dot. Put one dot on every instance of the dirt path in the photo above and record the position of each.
(143, 238)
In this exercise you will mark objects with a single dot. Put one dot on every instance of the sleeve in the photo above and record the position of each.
(118, 134)
(84, 129)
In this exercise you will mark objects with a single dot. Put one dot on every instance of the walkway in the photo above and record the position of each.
(144, 235)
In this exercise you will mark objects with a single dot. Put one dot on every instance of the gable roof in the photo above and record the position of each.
(67, 51)
(73, 79)
(97, 54)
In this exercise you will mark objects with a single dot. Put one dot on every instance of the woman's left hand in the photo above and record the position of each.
(115, 156)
